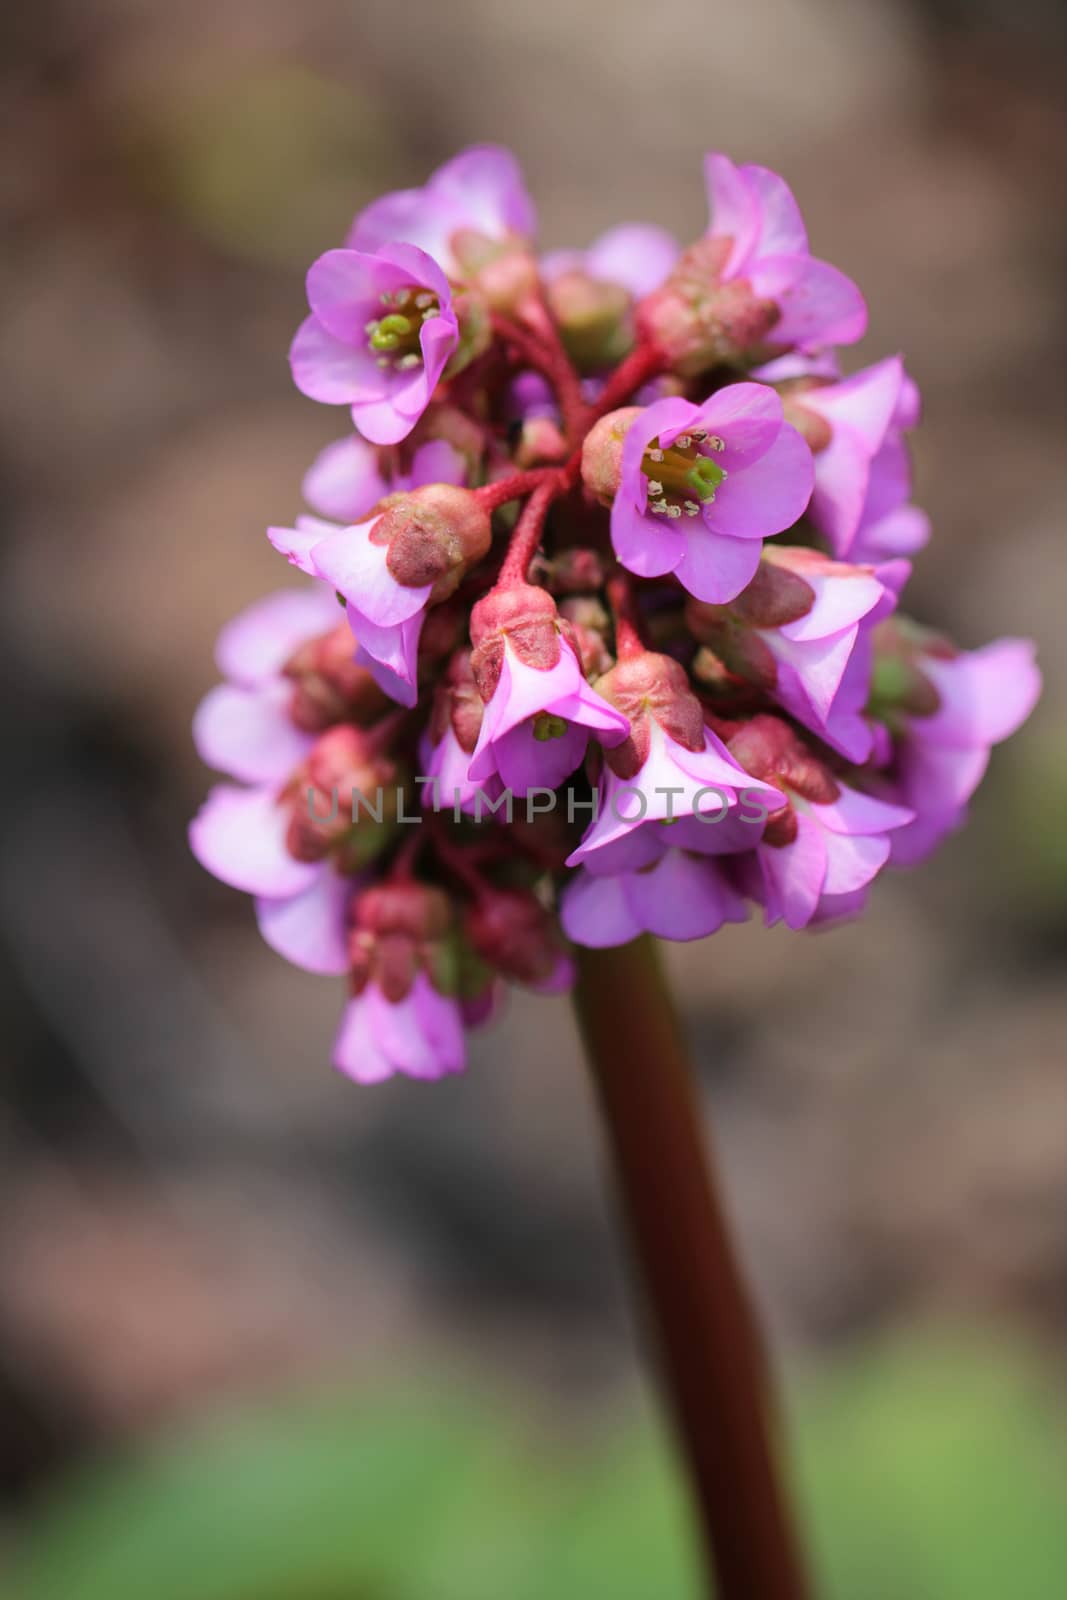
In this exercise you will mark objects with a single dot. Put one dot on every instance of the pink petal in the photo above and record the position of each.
(391, 654)
(865, 403)
(325, 368)
(748, 418)
(595, 912)
(734, 209)
(646, 545)
(854, 812)
(239, 836)
(714, 566)
(356, 1052)
(853, 860)
(343, 481)
(298, 543)
(819, 304)
(248, 733)
(258, 642)
(985, 694)
(309, 929)
(781, 227)
(485, 186)
(358, 568)
(438, 462)
(769, 495)
(683, 898)
(635, 254)
(794, 874)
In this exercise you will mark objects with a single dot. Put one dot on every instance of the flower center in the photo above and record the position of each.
(683, 476)
(546, 726)
(393, 338)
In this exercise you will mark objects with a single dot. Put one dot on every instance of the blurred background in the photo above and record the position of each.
(267, 1337)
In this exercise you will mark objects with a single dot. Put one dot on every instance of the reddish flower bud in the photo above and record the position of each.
(344, 799)
(512, 931)
(699, 321)
(433, 534)
(524, 617)
(602, 452)
(648, 688)
(398, 929)
(329, 686)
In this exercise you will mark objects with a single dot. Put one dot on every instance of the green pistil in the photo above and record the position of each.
(393, 338)
(389, 332)
(683, 476)
(546, 726)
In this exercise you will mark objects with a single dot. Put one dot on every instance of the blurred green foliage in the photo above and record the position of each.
(927, 1472)
(221, 153)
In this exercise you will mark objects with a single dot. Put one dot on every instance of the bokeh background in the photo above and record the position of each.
(267, 1337)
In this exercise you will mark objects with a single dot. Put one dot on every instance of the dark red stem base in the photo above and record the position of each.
(699, 1310)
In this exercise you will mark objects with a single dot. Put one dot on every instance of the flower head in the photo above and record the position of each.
(700, 488)
(629, 548)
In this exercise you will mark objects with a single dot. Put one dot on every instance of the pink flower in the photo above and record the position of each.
(862, 473)
(420, 1035)
(349, 477)
(826, 844)
(380, 333)
(671, 768)
(480, 191)
(430, 535)
(702, 486)
(939, 758)
(835, 850)
(754, 211)
(801, 632)
(539, 709)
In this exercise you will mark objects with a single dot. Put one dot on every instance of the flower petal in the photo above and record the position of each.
(239, 836)
(258, 642)
(248, 733)
(325, 368)
(309, 928)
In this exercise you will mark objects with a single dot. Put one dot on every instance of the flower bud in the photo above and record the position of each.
(697, 321)
(602, 452)
(593, 319)
(650, 687)
(433, 534)
(540, 443)
(503, 271)
(328, 685)
(344, 800)
(398, 929)
(527, 619)
(511, 930)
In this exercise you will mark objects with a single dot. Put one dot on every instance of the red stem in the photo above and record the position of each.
(643, 362)
(528, 530)
(540, 346)
(513, 487)
(623, 602)
(709, 1345)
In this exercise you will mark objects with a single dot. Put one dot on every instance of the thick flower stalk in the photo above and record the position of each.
(605, 633)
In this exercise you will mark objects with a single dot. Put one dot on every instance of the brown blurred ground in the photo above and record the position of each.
(193, 1205)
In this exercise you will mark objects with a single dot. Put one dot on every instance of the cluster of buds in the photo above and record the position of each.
(599, 632)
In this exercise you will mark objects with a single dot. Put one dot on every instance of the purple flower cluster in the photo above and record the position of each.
(603, 633)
